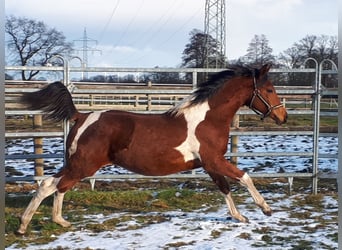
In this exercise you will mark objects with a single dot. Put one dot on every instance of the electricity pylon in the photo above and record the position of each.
(215, 27)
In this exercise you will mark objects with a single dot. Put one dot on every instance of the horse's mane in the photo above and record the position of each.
(207, 89)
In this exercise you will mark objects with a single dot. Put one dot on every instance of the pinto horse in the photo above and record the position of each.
(190, 135)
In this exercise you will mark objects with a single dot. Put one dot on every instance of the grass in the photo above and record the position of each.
(78, 204)
(135, 207)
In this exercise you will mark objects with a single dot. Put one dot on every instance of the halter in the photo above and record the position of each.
(256, 94)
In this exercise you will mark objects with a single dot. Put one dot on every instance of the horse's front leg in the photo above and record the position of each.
(246, 181)
(223, 167)
(224, 187)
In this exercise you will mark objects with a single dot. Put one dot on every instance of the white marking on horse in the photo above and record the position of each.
(193, 116)
(232, 208)
(92, 117)
(258, 199)
(48, 187)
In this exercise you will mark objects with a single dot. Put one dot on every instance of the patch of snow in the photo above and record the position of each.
(281, 143)
(206, 230)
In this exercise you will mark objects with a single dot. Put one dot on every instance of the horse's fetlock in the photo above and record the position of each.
(61, 221)
(21, 231)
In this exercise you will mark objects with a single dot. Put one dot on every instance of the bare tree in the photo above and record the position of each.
(258, 52)
(318, 47)
(32, 43)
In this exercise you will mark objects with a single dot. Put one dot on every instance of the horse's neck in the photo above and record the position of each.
(229, 100)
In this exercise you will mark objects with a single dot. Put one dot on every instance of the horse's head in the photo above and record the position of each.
(265, 101)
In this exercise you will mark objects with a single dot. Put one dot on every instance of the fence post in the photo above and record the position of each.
(149, 102)
(38, 146)
(194, 80)
(234, 140)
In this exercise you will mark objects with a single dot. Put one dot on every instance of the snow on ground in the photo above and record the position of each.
(328, 145)
(290, 227)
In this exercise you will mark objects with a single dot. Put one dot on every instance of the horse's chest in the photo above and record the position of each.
(189, 148)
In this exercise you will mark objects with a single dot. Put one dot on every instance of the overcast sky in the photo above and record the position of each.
(149, 33)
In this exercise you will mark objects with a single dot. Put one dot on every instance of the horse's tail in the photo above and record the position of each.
(55, 100)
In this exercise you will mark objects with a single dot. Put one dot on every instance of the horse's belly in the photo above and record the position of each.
(156, 163)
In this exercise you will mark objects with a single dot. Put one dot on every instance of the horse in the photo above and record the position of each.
(192, 134)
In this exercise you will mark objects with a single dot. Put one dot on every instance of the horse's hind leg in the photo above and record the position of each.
(48, 187)
(224, 187)
(57, 210)
(66, 182)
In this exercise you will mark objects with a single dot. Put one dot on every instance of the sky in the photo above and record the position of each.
(150, 33)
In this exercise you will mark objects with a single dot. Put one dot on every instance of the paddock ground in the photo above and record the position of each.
(184, 214)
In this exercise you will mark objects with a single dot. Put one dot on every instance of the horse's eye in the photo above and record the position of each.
(269, 90)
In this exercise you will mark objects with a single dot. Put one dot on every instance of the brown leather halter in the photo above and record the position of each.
(256, 94)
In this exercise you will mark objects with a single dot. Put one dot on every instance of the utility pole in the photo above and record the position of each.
(86, 41)
(215, 27)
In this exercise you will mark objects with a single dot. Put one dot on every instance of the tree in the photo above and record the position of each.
(200, 47)
(258, 52)
(32, 43)
(318, 47)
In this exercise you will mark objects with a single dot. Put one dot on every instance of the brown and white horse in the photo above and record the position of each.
(191, 135)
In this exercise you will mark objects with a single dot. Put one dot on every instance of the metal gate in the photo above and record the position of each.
(316, 92)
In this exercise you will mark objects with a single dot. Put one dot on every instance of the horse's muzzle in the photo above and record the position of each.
(279, 116)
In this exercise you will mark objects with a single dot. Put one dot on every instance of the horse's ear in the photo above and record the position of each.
(264, 69)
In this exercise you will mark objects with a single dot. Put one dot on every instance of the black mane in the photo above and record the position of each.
(207, 89)
(216, 81)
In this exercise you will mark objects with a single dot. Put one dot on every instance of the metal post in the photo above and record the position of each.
(66, 82)
(318, 95)
(316, 106)
(82, 65)
(339, 173)
(66, 71)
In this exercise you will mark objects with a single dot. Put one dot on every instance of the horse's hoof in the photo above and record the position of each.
(19, 233)
(242, 219)
(62, 222)
(246, 220)
(267, 212)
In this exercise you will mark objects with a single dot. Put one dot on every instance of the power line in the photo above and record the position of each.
(166, 40)
(109, 20)
(130, 23)
(147, 35)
